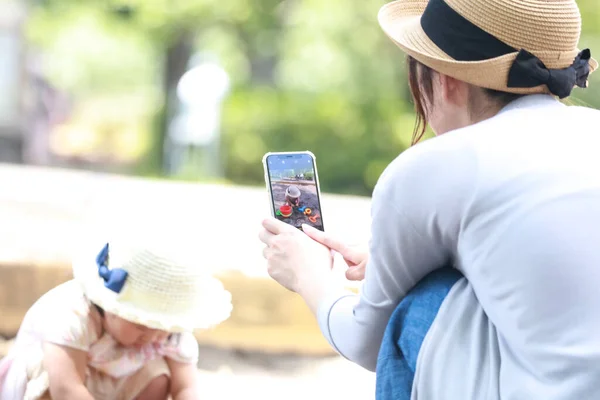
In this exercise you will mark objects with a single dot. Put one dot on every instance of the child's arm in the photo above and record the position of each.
(184, 380)
(66, 372)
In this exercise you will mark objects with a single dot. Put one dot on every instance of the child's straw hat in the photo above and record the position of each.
(152, 289)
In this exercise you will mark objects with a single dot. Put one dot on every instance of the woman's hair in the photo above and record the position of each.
(421, 87)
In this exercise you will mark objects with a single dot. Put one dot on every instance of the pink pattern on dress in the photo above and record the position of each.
(65, 317)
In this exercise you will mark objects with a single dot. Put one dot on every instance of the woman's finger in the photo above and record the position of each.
(266, 237)
(356, 273)
(326, 240)
(351, 263)
(266, 252)
(276, 226)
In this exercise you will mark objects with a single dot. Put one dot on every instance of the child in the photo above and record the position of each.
(292, 196)
(120, 330)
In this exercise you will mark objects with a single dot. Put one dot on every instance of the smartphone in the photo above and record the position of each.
(293, 185)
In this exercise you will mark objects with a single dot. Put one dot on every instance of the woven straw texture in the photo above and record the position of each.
(161, 291)
(549, 29)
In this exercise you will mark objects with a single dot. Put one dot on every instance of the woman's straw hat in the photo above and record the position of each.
(517, 46)
(152, 288)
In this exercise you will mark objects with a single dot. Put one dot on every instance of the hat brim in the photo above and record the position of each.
(401, 22)
(213, 308)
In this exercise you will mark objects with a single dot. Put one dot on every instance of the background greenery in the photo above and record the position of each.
(306, 74)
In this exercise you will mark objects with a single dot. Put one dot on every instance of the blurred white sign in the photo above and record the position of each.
(10, 78)
(201, 91)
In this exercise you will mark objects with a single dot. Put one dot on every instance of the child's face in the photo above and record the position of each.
(130, 334)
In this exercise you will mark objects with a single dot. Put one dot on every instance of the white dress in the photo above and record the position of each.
(65, 317)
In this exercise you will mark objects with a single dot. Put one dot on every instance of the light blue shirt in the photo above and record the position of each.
(514, 203)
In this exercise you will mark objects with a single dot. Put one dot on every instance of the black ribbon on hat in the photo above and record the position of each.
(529, 71)
(464, 41)
(114, 279)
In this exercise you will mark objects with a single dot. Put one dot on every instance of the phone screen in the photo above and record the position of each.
(294, 191)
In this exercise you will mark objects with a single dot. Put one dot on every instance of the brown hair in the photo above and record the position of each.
(420, 79)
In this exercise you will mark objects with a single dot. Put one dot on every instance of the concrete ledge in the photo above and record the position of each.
(44, 215)
(265, 317)
(20, 286)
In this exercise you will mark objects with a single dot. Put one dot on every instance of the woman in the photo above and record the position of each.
(508, 195)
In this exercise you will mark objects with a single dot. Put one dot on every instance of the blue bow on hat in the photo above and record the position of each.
(114, 279)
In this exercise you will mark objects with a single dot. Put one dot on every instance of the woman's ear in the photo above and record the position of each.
(452, 90)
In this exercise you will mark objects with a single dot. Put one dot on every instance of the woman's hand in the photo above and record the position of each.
(297, 262)
(356, 257)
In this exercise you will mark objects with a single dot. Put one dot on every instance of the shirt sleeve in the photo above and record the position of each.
(416, 210)
(181, 347)
(65, 319)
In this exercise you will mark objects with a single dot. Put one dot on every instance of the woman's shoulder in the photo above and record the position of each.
(449, 156)
(586, 115)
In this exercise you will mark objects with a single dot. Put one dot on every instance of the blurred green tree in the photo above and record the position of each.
(307, 74)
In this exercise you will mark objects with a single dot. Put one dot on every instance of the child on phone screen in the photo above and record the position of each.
(120, 330)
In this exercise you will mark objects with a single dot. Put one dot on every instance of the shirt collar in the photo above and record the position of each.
(532, 101)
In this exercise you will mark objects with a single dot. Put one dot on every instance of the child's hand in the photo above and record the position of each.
(66, 372)
(184, 381)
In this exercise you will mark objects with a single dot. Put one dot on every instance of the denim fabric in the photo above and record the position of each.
(406, 331)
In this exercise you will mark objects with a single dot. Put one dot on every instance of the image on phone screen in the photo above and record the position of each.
(294, 191)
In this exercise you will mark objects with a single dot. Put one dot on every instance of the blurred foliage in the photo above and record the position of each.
(307, 75)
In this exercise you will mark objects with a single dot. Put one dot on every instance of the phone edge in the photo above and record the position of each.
(267, 180)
